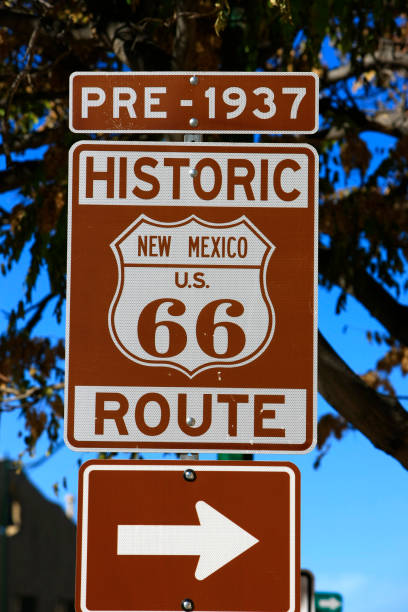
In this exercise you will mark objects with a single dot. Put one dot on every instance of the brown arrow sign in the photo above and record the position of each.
(224, 536)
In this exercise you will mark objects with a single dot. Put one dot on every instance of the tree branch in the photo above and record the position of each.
(28, 58)
(133, 47)
(9, 395)
(22, 22)
(38, 312)
(184, 56)
(380, 418)
(393, 122)
(369, 292)
(18, 174)
(33, 140)
(386, 55)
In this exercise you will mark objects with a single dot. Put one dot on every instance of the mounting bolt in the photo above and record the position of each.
(189, 475)
(193, 122)
(193, 173)
(187, 604)
(190, 421)
(194, 80)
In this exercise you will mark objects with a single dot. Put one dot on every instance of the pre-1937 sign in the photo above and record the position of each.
(192, 302)
(205, 102)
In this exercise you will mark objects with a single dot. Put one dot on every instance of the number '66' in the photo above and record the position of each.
(205, 328)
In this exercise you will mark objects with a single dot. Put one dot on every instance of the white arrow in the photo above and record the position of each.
(216, 540)
(331, 603)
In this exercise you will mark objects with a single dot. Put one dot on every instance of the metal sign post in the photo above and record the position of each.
(307, 592)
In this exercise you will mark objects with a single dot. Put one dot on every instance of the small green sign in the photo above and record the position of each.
(328, 602)
(233, 456)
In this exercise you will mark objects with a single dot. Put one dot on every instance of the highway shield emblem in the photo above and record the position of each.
(191, 295)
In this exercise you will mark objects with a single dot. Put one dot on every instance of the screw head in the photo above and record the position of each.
(189, 475)
(194, 80)
(190, 421)
(192, 172)
(193, 122)
(187, 604)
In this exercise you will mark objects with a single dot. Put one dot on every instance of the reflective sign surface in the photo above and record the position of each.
(204, 102)
(192, 297)
(224, 535)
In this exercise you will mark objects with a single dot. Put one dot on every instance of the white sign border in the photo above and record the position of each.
(256, 146)
(188, 130)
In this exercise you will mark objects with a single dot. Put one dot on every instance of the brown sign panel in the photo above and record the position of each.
(204, 102)
(191, 321)
(223, 535)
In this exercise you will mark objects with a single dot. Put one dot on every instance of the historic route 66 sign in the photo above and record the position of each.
(191, 307)
(191, 295)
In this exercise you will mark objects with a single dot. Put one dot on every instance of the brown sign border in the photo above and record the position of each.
(267, 75)
(216, 466)
(194, 446)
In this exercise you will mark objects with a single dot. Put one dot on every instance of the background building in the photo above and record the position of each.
(37, 549)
